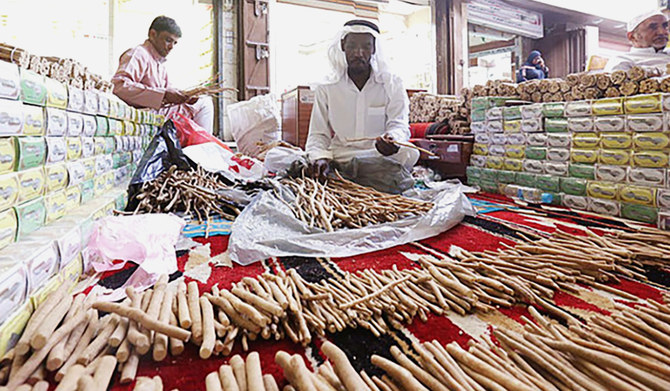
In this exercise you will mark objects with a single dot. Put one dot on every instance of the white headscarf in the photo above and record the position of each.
(338, 60)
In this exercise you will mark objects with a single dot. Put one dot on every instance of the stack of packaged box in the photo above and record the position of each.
(608, 156)
(66, 156)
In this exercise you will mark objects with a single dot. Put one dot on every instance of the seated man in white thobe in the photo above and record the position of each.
(358, 113)
(648, 34)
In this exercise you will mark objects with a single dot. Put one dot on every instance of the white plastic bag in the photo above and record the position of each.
(280, 159)
(252, 121)
(267, 228)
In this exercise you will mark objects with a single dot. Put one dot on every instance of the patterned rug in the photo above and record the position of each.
(499, 221)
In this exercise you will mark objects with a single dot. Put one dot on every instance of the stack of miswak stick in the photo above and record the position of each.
(240, 374)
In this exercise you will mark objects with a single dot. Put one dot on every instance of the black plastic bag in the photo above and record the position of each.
(163, 151)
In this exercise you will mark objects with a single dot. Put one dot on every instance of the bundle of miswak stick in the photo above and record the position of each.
(66, 335)
(192, 192)
(13, 54)
(338, 203)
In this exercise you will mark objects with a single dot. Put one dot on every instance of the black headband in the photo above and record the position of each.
(362, 22)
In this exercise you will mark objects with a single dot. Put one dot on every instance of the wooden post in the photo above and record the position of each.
(450, 18)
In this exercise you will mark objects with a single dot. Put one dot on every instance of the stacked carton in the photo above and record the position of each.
(608, 156)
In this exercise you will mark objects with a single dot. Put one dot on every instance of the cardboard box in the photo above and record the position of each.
(581, 124)
(558, 154)
(654, 177)
(76, 172)
(75, 124)
(56, 122)
(90, 102)
(12, 114)
(10, 81)
(13, 288)
(56, 93)
(31, 152)
(609, 173)
(33, 90)
(579, 108)
(75, 99)
(604, 207)
(89, 125)
(559, 140)
(645, 123)
(9, 190)
(534, 166)
(575, 202)
(556, 168)
(34, 121)
(612, 123)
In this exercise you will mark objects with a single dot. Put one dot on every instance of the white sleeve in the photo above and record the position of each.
(320, 133)
(619, 63)
(397, 111)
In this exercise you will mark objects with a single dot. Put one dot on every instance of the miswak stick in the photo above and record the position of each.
(129, 370)
(247, 310)
(347, 374)
(91, 328)
(227, 378)
(161, 340)
(193, 298)
(401, 375)
(139, 302)
(254, 372)
(38, 317)
(240, 372)
(69, 381)
(258, 302)
(86, 383)
(182, 306)
(368, 381)
(141, 318)
(57, 355)
(104, 371)
(418, 372)
(176, 345)
(208, 331)
(145, 383)
(212, 382)
(293, 372)
(41, 385)
(99, 343)
(120, 331)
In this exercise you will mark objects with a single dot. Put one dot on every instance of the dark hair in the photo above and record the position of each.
(164, 23)
(362, 22)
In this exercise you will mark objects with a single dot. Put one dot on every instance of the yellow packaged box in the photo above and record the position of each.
(89, 168)
(495, 162)
(638, 195)
(73, 148)
(651, 141)
(585, 140)
(73, 198)
(586, 156)
(650, 159)
(73, 270)
(515, 151)
(56, 93)
(477, 149)
(34, 121)
(608, 106)
(616, 140)
(109, 180)
(8, 227)
(56, 205)
(11, 330)
(99, 185)
(640, 104)
(616, 157)
(7, 154)
(45, 290)
(98, 145)
(31, 184)
(606, 190)
(9, 190)
(513, 164)
(512, 126)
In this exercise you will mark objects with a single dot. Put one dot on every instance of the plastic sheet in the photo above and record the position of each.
(148, 240)
(267, 228)
(253, 121)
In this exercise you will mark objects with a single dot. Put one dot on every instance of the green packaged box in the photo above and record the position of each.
(512, 112)
(30, 151)
(548, 183)
(584, 171)
(33, 88)
(536, 153)
(553, 109)
(478, 115)
(506, 176)
(555, 125)
(87, 190)
(643, 213)
(573, 186)
(488, 174)
(103, 126)
(473, 172)
(485, 102)
(110, 146)
(30, 216)
(526, 179)
(553, 198)
(488, 186)
(472, 181)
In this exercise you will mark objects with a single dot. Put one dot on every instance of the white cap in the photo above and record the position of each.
(636, 21)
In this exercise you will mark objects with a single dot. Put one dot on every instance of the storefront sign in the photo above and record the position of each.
(501, 16)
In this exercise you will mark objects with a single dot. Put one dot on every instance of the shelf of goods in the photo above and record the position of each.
(608, 156)
(66, 157)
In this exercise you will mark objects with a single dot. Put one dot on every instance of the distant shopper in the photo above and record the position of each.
(359, 113)
(142, 80)
(648, 33)
(533, 68)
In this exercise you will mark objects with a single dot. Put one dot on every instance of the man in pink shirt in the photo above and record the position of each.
(142, 81)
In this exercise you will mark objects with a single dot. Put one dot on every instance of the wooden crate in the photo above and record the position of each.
(296, 110)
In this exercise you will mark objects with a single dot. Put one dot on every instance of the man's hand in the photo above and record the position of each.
(174, 96)
(321, 168)
(385, 145)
